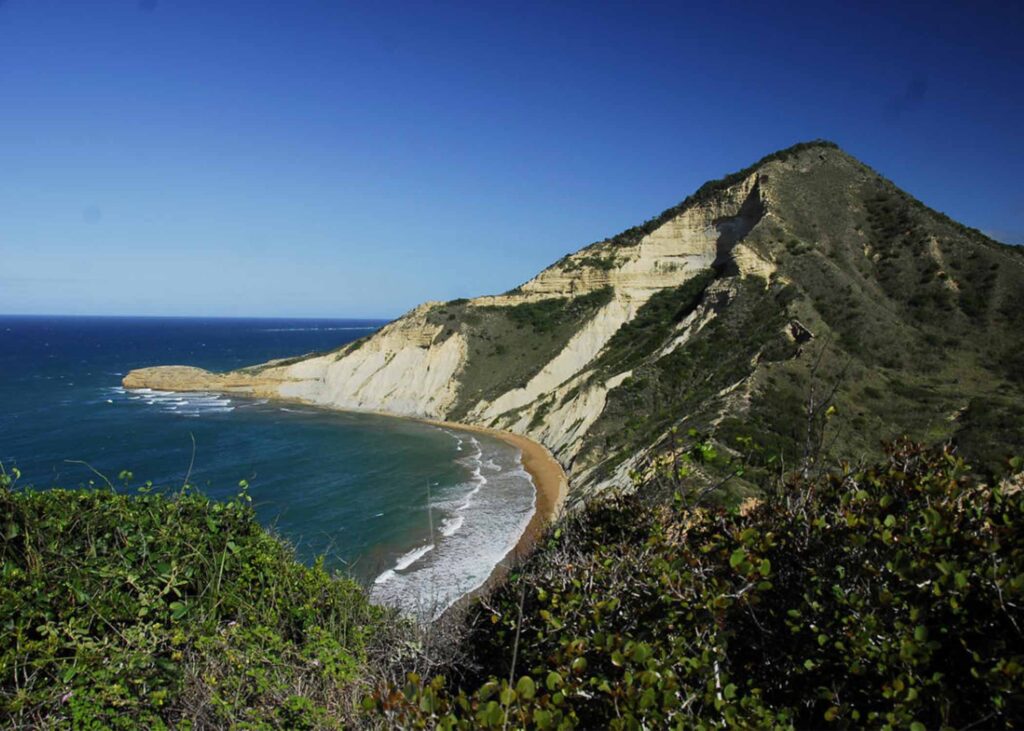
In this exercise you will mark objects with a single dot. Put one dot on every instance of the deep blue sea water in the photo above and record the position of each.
(418, 513)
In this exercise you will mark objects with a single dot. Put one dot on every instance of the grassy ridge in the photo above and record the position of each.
(913, 319)
(148, 610)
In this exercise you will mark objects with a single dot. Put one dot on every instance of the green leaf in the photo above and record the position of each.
(526, 688)
(738, 556)
(641, 652)
(492, 714)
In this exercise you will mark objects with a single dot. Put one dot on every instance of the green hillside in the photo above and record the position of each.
(916, 321)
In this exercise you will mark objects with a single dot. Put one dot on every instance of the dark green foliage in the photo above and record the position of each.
(989, 429)
(645, 333)
(685, 382)
(544, 316)
(910, 312)
(601, 261)
(884, 598)
(151, 610)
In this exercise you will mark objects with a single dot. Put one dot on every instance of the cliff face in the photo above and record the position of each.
(685, 320)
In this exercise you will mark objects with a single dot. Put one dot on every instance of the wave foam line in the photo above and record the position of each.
(412, 557)
(385, 577)
(450, 526)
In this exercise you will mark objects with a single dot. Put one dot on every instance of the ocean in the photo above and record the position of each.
(417, 513)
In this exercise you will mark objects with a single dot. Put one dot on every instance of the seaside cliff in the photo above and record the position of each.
(700, 318)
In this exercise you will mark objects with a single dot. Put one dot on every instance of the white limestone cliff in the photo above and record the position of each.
(411, 367)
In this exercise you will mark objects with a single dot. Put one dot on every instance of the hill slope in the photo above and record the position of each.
(807, 274)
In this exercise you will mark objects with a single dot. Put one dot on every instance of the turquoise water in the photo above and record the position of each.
(418, 513)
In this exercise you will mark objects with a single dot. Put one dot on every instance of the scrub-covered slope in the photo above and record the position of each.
(803, 274)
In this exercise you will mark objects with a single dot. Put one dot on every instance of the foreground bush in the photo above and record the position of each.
(889, 597)
(149, 611)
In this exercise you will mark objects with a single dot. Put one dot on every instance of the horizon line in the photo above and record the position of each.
(197, 317)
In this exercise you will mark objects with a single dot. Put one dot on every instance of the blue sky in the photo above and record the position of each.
(322, 158)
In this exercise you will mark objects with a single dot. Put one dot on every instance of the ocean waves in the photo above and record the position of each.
(472, 525)
(182, 404)
(458, 530)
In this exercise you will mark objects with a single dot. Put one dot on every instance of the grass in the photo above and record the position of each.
(545, 316)
(652, 325)
(507, 346)
(682, 386)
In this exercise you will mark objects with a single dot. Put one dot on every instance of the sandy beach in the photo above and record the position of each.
(550, 482)
(549, 478)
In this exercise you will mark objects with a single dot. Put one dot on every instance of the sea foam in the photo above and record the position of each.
(483, 519)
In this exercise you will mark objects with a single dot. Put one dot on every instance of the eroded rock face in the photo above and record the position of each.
(694, 240)
(407, 368)
(401, 370)
(414, 365)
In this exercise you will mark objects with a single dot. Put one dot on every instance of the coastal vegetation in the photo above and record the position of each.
(509, 344)
(153, 609)
(887, 596)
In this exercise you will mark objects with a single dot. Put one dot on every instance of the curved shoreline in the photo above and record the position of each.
(551, 484)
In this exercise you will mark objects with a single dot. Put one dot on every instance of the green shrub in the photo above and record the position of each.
(544, 316)
(886, 598)
(154, 610)
(654, 322)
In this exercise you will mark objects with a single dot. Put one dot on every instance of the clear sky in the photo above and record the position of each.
(351, 159)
